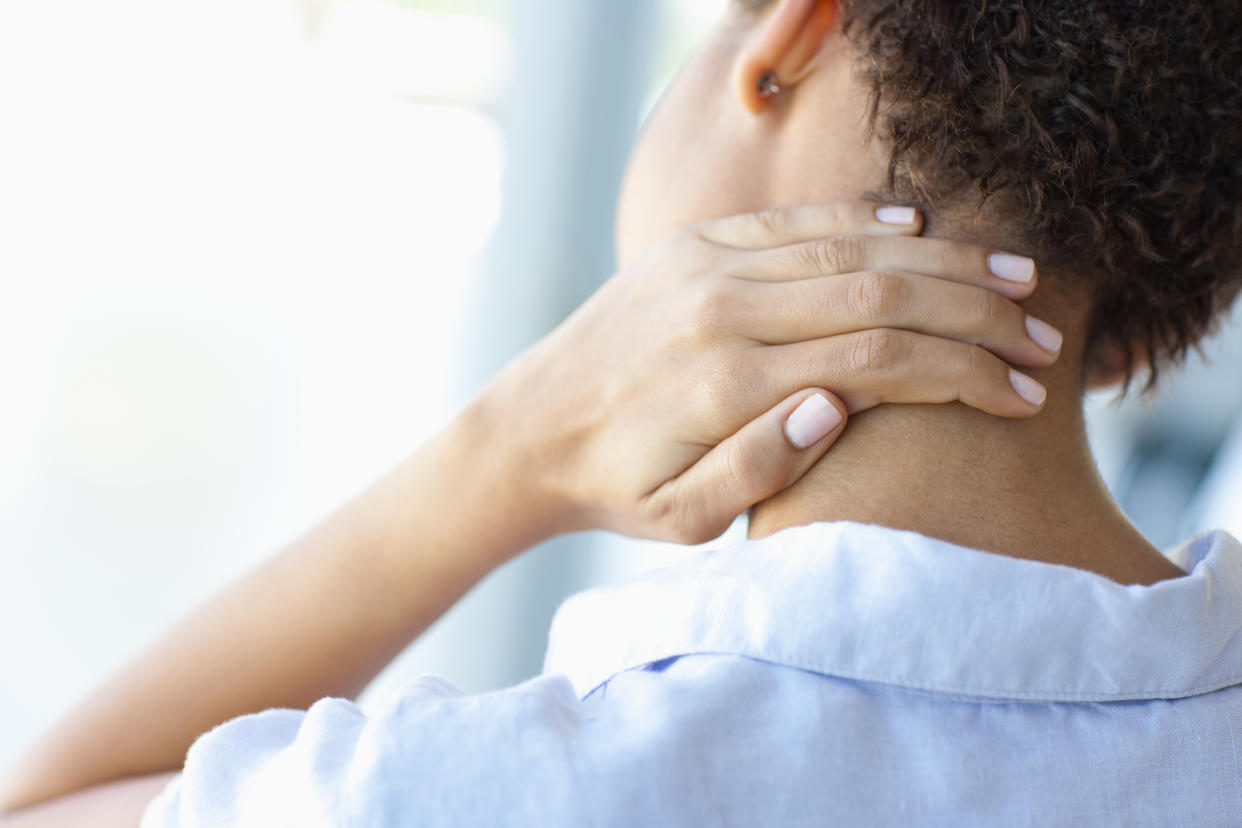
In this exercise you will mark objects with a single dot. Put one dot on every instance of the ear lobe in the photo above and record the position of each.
(786, 44)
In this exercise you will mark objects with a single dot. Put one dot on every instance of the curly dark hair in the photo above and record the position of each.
(1110, 131)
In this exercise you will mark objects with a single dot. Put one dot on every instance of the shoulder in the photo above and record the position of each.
(431, 754)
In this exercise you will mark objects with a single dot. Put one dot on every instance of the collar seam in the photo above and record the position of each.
(891, 680)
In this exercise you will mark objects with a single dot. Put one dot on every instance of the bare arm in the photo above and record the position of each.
(649, 412)
(321, 618)
(114, 805)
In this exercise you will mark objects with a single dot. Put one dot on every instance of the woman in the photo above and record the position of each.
(856, 662)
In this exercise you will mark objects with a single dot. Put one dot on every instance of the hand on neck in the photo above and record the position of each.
(1023, 488)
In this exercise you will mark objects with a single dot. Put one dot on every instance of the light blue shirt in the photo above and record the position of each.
(833, 674)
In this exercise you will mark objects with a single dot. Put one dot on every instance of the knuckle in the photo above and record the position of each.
(989, 309)
(772, 220)
(685, 525)
(667, 517)
(659, 510)
(976, 359)
(690, 235)
(677, 238)
(878, 351)
(853, 212)
(711, 308)
(753, 469)
(851, 252)
(878, 296)
(735, 473)
(835, 255)
(838, 216)
(947, 257)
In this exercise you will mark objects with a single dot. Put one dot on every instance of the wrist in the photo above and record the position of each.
(495, 461)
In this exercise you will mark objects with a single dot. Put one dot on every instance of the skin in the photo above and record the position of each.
(1027, 489)
(647, 412)
(659, 409)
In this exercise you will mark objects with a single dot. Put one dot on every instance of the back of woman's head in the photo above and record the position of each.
(1108, 131)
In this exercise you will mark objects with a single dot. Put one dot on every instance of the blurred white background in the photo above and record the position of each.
(254, 251)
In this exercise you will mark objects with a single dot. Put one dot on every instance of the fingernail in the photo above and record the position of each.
(812, 421)
(1012, 268)
(896, 215)
(1028, 389)
(1044, 335)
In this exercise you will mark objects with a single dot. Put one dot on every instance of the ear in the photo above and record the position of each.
(786, 44)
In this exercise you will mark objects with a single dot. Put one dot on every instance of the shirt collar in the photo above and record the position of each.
(874, 604)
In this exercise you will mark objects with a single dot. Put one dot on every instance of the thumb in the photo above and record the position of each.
(766, 456)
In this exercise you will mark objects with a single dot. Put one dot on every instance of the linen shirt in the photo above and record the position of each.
(832, 674)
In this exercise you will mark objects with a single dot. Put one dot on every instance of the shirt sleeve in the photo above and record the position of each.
(432, 755)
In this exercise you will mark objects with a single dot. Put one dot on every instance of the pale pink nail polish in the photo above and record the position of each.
(1028, 389)
(1044, 335)
(811, 422)
(1012, 268)
(896, 215)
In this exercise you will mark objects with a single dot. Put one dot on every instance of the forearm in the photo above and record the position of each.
(649, 411)
(320, 618)
(114, 805)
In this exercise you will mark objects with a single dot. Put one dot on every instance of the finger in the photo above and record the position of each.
(779, 313)
(791, 225)
(884, 365)
(1012, 276)
(766, 456)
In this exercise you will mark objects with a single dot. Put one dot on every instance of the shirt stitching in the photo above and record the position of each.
(952, 689)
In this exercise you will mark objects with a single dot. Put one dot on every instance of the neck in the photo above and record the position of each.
(1028, 489)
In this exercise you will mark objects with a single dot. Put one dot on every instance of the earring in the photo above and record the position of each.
(768, 85)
